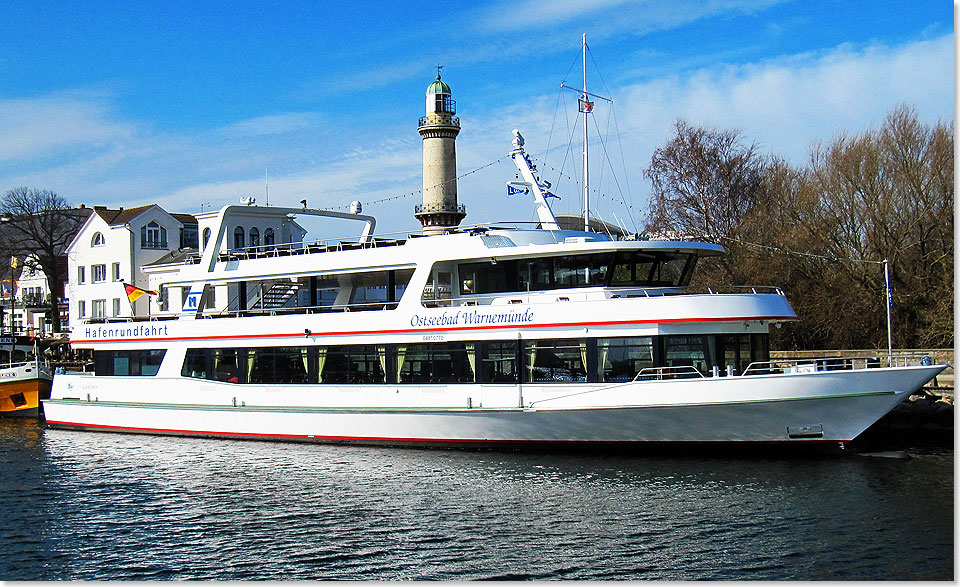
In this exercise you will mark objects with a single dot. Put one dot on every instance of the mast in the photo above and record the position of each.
(586, 144)
(586, 107)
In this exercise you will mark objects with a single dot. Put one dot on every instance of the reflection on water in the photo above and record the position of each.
(81, 505)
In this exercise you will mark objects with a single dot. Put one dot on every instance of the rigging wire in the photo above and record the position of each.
(420, 191)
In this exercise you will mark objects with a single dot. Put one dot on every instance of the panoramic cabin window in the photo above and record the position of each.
(542, 361)
(133, 363)
(551, 361)
(97, 240)
(153, 236)
(98, 273)
(450, 362)
(254, 237)
(238, 237)
(353, 364)
(498, 363)
(619, 269)
(698, 351)
(620, 359)
(277, 365)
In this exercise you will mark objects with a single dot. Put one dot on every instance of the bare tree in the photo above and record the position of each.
(42, 224)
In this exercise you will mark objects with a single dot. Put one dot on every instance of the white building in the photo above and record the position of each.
(110, 250)
(258, 230)
(31, 300)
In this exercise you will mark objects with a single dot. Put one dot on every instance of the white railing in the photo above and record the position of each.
(813, 365)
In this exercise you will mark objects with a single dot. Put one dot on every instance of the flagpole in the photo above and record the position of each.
(886, 278)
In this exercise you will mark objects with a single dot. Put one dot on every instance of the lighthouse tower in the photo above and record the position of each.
(439, 129)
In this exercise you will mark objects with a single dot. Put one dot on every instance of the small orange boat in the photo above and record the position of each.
(22, 386)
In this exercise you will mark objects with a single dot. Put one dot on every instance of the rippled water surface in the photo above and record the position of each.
(76, 505)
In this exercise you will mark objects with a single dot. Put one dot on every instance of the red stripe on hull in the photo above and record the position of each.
(428, 330)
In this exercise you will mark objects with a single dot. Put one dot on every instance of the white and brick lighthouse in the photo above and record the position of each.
(439, 129)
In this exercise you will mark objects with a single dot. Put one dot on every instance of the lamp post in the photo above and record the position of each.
(5, 218)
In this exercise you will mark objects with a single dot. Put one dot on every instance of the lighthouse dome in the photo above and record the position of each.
(438, 87)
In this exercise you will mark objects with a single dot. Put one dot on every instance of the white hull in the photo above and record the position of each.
(831, 406)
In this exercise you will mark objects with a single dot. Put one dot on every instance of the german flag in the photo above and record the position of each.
(134, 292)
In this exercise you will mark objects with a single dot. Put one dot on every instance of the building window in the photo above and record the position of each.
(254, 237)
(81, 274)
(98, 273)
(153, 236)
(99, 308)
(238, 237)
(116, 271)
(268, 236)
(116, 307)
(97, 240)
(206, 237)
(82, 308)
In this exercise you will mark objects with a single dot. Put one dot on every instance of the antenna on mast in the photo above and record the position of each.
(586, 107)
(266, 186)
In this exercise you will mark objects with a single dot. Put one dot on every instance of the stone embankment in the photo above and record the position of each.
(925, 416)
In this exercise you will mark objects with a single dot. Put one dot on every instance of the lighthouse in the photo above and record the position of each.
(439, 128)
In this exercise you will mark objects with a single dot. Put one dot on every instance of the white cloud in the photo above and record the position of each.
(48, 125)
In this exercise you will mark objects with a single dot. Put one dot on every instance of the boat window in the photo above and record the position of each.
(697, 351)
(268, 237)
(620, 359)
(206, 237)
(254, 237)
(225, 365)
(277, 365)
(195, 364)
(353, 364)
(554, 361)
(238, 237)
(625, 268)
(499, 362)
(446, 362)
(128, 362)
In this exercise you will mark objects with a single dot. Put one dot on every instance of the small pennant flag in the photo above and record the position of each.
(134, 292)
(13, 262)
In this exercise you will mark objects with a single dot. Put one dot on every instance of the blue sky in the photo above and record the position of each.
(191, 103)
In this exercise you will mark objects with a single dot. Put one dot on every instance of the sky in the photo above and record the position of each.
(193, 105)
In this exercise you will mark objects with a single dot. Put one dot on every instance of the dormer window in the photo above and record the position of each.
(153, 236)
(97, 240)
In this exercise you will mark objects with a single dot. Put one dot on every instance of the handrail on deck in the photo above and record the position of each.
(811, 365)
(660, 373)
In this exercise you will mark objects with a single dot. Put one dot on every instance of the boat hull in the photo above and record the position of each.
(21, 392)
(780, 410)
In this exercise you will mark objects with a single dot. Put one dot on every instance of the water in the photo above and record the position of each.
(94, 506)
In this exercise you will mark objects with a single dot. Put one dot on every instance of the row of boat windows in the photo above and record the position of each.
(619, 268)
(505, 361)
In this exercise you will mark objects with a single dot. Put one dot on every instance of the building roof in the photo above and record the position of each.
(122, 216)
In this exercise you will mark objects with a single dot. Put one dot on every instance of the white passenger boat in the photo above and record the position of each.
(483, 336)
